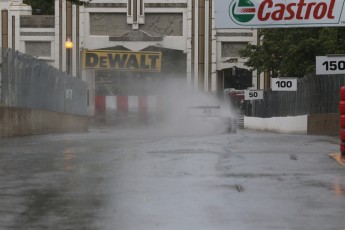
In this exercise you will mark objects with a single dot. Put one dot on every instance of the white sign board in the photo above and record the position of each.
(284, 84)
(279, 13)
(330, 65)
(69, 94)
(253, 95)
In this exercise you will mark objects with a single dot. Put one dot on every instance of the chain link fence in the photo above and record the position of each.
(27, 82)
(314, 95)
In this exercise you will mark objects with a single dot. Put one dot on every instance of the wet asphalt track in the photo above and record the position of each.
(123, 178)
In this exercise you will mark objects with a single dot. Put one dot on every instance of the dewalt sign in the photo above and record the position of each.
(122, 60)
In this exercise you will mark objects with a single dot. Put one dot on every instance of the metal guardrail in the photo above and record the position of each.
(27, 82)
(315, 95)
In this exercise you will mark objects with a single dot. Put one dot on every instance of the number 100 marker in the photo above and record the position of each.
(284, 84)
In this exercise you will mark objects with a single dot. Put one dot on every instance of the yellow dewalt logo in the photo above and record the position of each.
(122, 60)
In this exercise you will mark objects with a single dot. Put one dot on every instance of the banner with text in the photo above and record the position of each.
(279, 13)
(122, 60)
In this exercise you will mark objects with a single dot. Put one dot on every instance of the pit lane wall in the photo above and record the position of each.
(23, 121)
(314, 124)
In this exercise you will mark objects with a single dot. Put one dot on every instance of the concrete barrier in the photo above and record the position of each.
(324, 124)
(296, 124)
(22, 121)
(313, 124)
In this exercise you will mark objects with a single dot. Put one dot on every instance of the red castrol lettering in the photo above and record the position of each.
(295, 10)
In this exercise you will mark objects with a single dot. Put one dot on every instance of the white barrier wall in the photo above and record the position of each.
(298, 124)
(133, 103)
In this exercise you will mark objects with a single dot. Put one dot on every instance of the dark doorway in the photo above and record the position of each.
(237, 78)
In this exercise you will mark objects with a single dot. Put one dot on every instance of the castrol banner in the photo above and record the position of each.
(279, 13)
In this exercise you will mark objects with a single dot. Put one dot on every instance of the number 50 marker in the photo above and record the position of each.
(253, 95)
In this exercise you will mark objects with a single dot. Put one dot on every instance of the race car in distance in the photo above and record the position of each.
(212, 116)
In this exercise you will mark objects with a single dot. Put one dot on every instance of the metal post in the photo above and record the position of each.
(77, 58)
(69, 36)
(69, 61)
(258, 74)
(4, 44)
(60, 35)
(201, 44)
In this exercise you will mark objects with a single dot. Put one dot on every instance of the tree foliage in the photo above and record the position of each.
(46, 7)
(291, 52)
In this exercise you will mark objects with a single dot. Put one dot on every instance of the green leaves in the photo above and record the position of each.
(78, 2)
(46, 7)
(291, 52)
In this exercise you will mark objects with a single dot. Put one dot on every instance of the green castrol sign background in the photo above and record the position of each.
(279, 13)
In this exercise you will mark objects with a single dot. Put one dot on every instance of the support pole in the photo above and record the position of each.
(4, 62)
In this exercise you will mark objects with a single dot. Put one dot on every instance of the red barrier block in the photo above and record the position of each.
(342, 135)
(100, 105)
(342, 121)
(342, 107)
(342, 93)
(342, 149)
(122, 104)
(143, 105)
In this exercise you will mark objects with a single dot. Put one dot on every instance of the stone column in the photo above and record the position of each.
(16, 9)
(69, 35)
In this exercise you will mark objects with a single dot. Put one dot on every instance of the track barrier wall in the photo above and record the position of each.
(24, 121)
(36, 98)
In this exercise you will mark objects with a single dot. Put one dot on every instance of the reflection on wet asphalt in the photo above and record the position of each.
(140, 178)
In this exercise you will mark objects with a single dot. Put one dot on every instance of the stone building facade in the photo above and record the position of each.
(184, 30)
